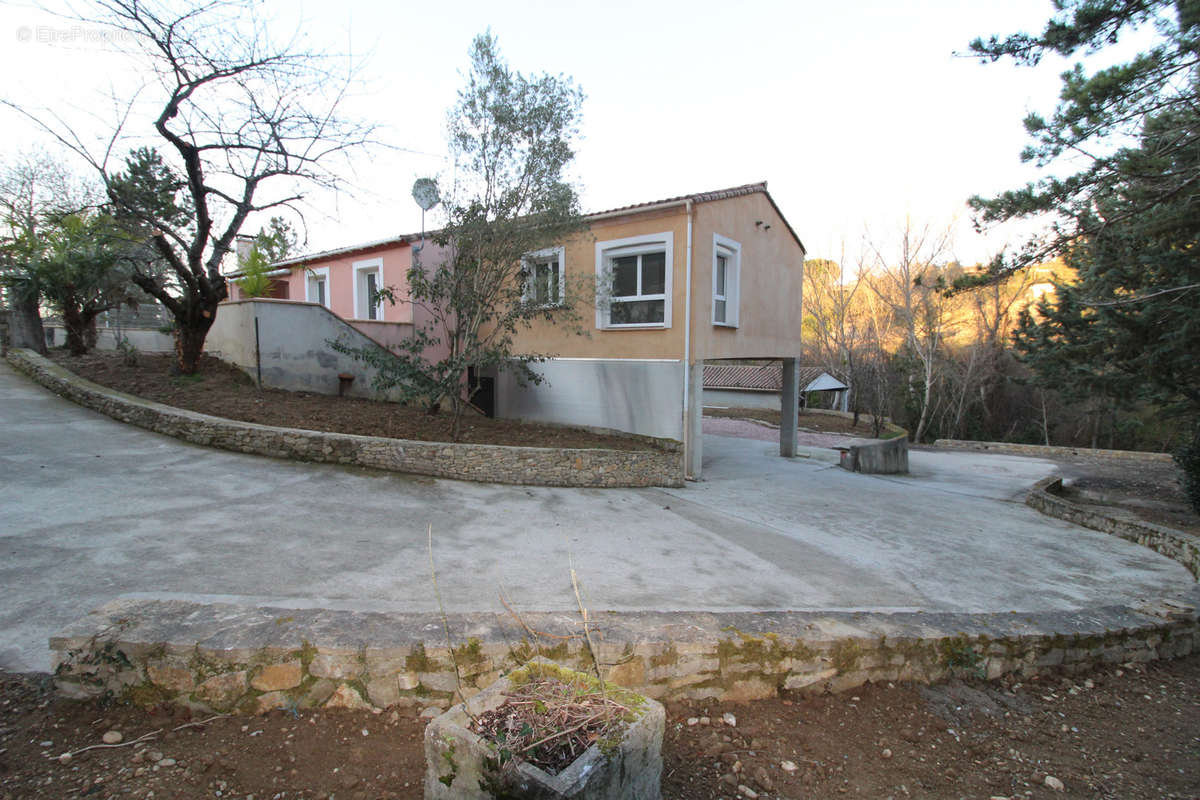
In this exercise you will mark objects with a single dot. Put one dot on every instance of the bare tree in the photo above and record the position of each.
(911, 283)
(985, 361)
(234, 109)
(874, 387)
(830, 324)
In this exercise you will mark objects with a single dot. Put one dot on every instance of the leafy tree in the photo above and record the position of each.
(234, 111)
(149, 190)
(85, 272)
(277, 241)
(1102, 121)
(1129, 220)
(36, 191)
(511, 138)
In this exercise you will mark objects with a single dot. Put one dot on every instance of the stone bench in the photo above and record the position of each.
(875, 456)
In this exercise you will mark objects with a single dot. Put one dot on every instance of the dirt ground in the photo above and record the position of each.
(1146, 490)
(813, 423)
(1121, 733)
(223, 390)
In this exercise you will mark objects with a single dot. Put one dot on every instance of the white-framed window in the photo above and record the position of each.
(635, 279)
(316, 286)
(727, 273)
(368, 281)
(543, 273)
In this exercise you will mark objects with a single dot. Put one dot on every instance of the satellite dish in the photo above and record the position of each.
(425, 192)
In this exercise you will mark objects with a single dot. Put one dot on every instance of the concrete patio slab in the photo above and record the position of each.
(93, 510)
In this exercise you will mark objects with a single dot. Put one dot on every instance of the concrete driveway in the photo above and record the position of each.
(91, 509)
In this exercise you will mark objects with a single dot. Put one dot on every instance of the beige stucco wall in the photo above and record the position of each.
(580, 271)
(771, 282)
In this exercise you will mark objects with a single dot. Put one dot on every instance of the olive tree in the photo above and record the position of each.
(511, 137)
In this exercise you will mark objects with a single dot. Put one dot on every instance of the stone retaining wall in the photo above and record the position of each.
(1050, 452)
(252, 659)
(1176, 545)
(535, 466)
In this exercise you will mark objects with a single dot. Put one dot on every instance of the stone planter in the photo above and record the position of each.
(459, 764)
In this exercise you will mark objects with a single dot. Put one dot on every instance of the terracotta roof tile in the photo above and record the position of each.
(765, 378)
(707, 197)
(699, 197)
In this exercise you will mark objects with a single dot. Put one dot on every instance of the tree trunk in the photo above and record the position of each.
(1045, 420)
(189, 338)
(924, 418)
(456, 406)
(25, 324)
(90, 335)
(74, 326)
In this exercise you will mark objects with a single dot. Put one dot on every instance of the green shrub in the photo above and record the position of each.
(255, 282)
(129, 353)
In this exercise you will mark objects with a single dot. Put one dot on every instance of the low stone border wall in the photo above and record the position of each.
(1177, 545)
(536, 466)
(253, 659)
(1044, 450)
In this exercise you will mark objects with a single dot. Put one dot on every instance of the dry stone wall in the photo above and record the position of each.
(535, 466)
(1049, 451)
(252, 659)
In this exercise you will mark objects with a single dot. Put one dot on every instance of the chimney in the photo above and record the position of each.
(244, 245)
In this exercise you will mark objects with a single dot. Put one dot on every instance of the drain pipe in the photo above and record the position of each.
(687, 348)
(257, 351)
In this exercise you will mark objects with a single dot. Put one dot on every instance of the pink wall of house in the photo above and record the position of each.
(346, 282)
(341, 271)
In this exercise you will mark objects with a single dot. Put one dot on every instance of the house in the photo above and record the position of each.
(758, 386)
(346, 279)
(681, 281)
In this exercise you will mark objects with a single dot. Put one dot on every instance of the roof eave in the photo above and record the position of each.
(403, 239)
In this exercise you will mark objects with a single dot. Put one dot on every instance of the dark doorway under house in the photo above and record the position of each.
(482, 392)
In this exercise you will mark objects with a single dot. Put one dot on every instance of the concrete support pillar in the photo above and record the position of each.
(789, 407)
(694, 423)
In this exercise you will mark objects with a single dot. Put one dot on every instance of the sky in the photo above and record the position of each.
(857, 114)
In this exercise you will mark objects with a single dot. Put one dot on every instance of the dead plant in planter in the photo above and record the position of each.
(543, 730)
(551, 716)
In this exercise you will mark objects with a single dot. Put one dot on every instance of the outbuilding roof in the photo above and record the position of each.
(766, 378)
